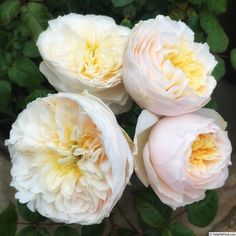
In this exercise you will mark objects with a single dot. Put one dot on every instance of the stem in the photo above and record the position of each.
(179, 214)
(125, 217)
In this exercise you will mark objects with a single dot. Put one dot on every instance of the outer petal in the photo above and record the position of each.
(145, 123)
(215, 116)
(167, 194)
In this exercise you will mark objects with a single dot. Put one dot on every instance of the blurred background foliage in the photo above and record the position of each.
(21, 21)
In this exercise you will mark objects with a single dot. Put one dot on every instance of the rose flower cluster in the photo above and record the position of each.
(71, 161)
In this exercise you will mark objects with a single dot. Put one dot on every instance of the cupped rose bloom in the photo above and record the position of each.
(181, 157)
(86, 52)
(164, 70)
(67, 160)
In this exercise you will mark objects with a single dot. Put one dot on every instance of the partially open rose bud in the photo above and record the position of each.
(67, 160)
(85, 52)
(164, 70)
(181, 157)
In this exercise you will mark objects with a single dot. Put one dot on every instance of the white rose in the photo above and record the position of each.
(164, 70)
(85, 52)
(67, 159)
(183, 156)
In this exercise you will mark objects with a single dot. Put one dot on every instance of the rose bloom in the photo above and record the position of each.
(181, 157)
(85, 52)
(164, 70)
(67, 160)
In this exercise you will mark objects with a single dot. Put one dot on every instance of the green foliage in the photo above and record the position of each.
(149, 214)
(126, 22)
(203, 212)
(217, 6)
(123, 232)
(151, 210)
(180, 230)
(219, 70)
(8, 221)
(8, 10)
(233, 58)
(216, 37)
(212, 104)
(91, 230)
(38, 93)
(5, 95)
(149, 196)
(35, 16)
(25, 73)
(121, 3)
(33, 231)
(27, 214)
(30, 50)
(42, 232)
(218, 41)
(65, 231)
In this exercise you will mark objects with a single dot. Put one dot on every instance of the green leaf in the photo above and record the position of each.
(212, 104)
(8, 10)
(8, 221)
(27, 214)
(149, 214)
(33, 231)
(203, 212)
(25, 73)
(90, 230)
(28, 231)
(121, 3)
(200, 37)
(209, 22)
(180, 230)
(217, 38)
(126, 22)
(30, 50)
(233, 58)
(122, 232)
(38, 93)
(35, 16)
(218, 41)
(167, 232)
(148, 195)
(196, 2)
(129, 11)
(177, 14)
(217, 6)
(193, 23)
(219, 70)
(65, 231)
(5, 95)
(42, 232)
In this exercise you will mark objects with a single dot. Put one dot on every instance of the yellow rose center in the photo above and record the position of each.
(183, 58)
(204, 150)
(86, 146)
(79, 142)
(99, 59)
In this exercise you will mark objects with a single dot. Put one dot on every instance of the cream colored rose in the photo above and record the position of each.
(164, 70)
(67, 160)
(85, 52)
(181, 157)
